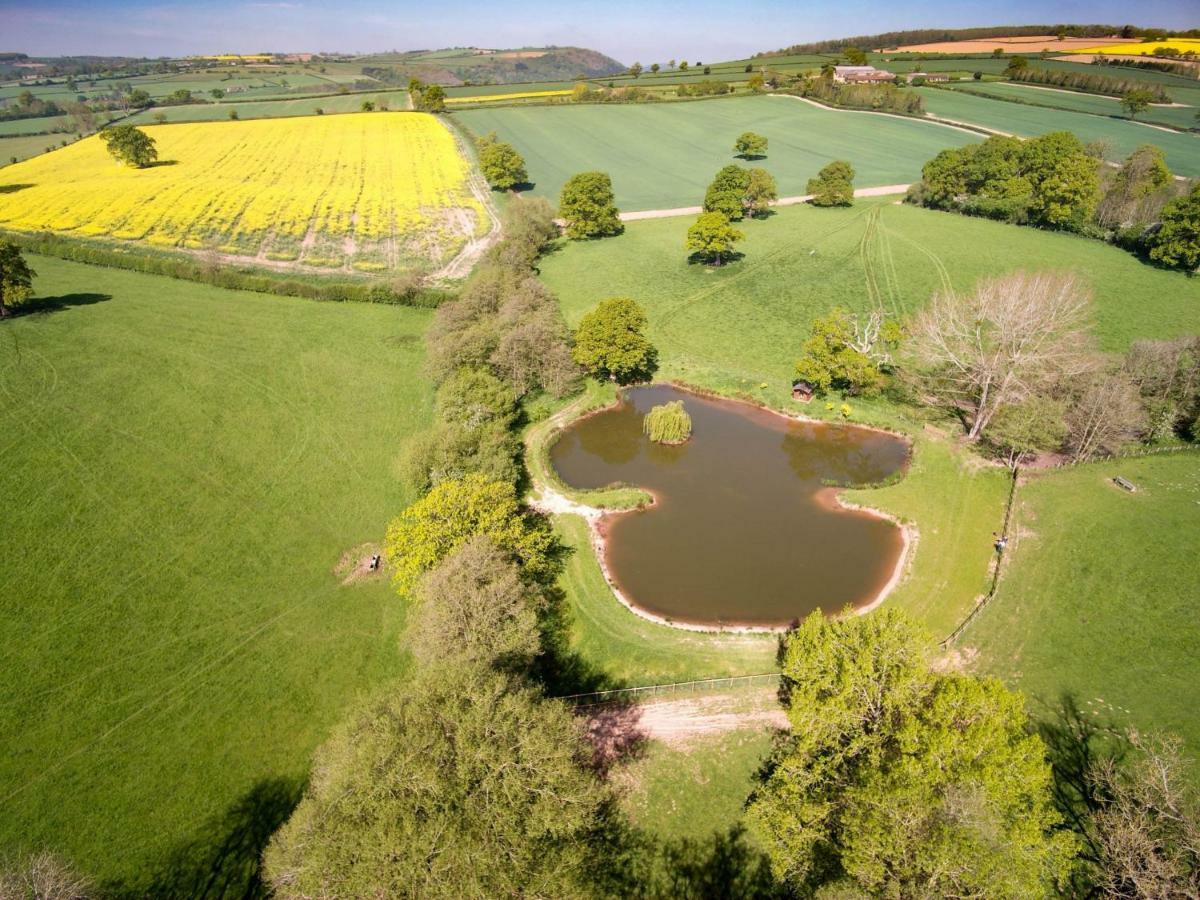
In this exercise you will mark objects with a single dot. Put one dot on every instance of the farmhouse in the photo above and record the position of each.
(860, 74)
(927, 76)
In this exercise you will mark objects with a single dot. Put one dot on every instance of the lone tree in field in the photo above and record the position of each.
(636, 70)
(501, 164)
(1136, 101)
(457, 510)
(130, 145)
(834, 185)
(588, 206)
(654, 67)
(16, 279)
(901, 782)
(1008, 340)
(610, 342)
(711, 238)
(459, 783)
(668, 423)
(750, 145)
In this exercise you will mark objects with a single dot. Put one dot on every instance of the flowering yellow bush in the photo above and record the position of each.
(487, 98)
(369, 190)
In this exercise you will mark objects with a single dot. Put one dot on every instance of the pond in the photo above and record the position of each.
(745, 529)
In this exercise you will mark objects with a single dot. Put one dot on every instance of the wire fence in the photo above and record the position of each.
(637, 694)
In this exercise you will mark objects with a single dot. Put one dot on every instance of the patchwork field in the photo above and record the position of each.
(1013, 45)
(1183, 45)
(1098, 602)
(1122, 136)
(184, 468)
(663, 156)
(370, 192)
(272, 109)
(1182, 117)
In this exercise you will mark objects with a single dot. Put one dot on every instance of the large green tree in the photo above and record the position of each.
(847, 352)
(1177, 242)
(457, 510)
(610, 342)
(711, 237)
(501, 164)
(899, 782)
(750, 145)
(761, 192)
(130, 145)
(16, 278)
(726, 193)
(834, 185)
(1136, 101)
(461, 783)
(588, 206)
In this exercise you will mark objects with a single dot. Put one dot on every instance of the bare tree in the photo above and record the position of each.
(1106, 414)
(41, 876)
(1148, 826)
(1167, 375)
(1011, 338)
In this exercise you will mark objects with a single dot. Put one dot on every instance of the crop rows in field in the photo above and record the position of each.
(366, 191)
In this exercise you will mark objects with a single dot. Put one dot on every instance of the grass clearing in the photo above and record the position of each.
(662, 156)
(1181, 150)
(370, 191)
(1098, 600)
(184, 467)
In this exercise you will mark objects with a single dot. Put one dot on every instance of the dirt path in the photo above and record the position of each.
(618, 730)
(461, 265)
(881, 191)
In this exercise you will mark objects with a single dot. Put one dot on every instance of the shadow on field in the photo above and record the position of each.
(46, 305)
(223, 860)
(13, 188)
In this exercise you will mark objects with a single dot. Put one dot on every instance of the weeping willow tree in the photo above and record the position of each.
(668, 423)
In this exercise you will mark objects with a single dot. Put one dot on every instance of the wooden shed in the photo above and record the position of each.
(802, 391)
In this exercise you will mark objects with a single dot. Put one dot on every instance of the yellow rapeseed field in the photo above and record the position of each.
(1183, 45)
(488, 98)
(370, 191)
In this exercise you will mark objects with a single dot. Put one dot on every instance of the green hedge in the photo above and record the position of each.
(234, 278)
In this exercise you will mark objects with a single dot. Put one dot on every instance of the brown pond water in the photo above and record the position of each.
(744, 530)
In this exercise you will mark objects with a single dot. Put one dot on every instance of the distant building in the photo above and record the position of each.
(928, 76)
(860, 74)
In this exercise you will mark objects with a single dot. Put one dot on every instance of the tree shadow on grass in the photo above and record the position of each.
(224, 860)
(701, 259)
(46, 305)
(13, 188)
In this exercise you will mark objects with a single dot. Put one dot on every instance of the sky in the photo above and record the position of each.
(628, 30)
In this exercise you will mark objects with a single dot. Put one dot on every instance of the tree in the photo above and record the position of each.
(16, 279)
(671, 64)
(587, 205)
(1105, 415)
(854, 56)
(41, 876)
(1063, 180)
(366, 106)
(900, 782)
(1166, 374)
(668, 423)
(130, 145)
(217, 93)
(457, 784)
(233, 115)
(1004, 342)
(1177, 242)
(761, 192)
(636, 70)
(473, 609)
(654, 67)
(846, 352)
(457, 510)
(502, 165)
(610, 342)
(834, 185)
(712, 237)
(755, 83)
(1136, 101)
(138, 98)
(727, 192)
(683, 66)
(1016, 64)
(750, 145)
(1148, 825)
(1138, 192)
(1026, 428)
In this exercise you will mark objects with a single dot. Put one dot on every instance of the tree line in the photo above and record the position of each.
(1087, 82)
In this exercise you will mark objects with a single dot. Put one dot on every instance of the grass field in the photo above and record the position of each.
(272, 109)
(1098, 600)
(184, 466)
(663, 156)
(1182, 150)
(25, 146)
(1183, 117)
(370, 191)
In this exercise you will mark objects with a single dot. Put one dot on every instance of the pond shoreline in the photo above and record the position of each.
(553, 501)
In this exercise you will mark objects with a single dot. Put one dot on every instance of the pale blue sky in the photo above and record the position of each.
(643, 30)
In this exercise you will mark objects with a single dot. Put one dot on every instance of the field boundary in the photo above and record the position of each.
(885, 190)
(731, 682)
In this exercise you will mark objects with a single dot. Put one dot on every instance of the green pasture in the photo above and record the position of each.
(1095, 104)
(483, 90)
(23, 146)
(270, 109)
(184, 468)
(664, 156)
(1098, 600)
(1182, 150)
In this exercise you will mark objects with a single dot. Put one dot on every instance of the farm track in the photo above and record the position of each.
(638, 215)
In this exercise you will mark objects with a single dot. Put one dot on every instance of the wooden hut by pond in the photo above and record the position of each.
(802, 391)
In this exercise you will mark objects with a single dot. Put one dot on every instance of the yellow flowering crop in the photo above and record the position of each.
(1145, 49)
(378, 189)
(487, 98)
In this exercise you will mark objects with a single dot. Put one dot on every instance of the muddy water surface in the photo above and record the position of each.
(745, 530)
